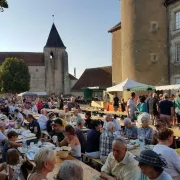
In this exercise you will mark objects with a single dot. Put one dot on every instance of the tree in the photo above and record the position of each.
(3, 4)
(14, 76)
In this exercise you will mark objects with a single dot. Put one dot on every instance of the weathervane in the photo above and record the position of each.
(53, 18)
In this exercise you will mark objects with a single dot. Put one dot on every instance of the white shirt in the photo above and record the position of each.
(11, 109)
(19, 116)
(42, 120)
(34, 109)
(171, 157)
(132, 106)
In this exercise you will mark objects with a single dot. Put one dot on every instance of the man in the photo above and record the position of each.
(131, 107)
(79, 133)
(34, 107)
(109, 118)
(177, 107)
(130, 131)
(106, 140)
(72, 104)
(42, 120)
(120, 164)
(18, 116)
(116, 102)
(166, 110)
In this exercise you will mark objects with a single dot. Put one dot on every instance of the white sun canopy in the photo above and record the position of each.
(125, 85)
(168, 87)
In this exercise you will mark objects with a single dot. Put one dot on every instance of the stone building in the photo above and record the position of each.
(173, 9)
(49, 70)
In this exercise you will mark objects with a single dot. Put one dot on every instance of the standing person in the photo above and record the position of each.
(39, 106)
(115, 102)
(166, 110)
(141, 107)
(123, 105)
(131, 107)
(177, 107)
(61, 102)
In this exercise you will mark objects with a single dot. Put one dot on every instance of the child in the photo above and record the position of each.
(11, 143)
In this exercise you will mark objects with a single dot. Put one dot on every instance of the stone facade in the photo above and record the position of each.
(174, 41)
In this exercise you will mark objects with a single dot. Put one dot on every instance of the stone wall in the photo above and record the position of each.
(37, 83)
(174, 38)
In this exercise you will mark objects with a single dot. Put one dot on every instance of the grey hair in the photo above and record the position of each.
(109, 116)
(45, 154)
(70, 170)
(79, 120)
(120, 139)
(110, 125)
(127, 120)
(43, 110)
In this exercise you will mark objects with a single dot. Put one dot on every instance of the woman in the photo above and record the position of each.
(45, 161)
(34, 125)
(93, 140)
(152, 166)
(72, 140)
(70, 170)
(3, 138)
(141, 107)
(165, 138)
(88, 120)
(144, 132)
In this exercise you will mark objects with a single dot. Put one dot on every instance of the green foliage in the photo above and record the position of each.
(3, 4)
(14, 76)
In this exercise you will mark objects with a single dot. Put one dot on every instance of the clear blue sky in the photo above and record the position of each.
(82, 25)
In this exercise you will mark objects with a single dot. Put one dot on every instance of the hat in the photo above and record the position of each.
(151, 158)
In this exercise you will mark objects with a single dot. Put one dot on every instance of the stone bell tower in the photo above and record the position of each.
(56, 65)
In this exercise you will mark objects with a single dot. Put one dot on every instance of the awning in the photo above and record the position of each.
(27, 94)
(168, 87)
(41, 93)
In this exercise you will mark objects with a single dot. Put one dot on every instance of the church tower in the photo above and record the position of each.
(56, 65)
(144, 41)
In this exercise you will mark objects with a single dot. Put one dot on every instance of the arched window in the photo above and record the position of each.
(51, 55)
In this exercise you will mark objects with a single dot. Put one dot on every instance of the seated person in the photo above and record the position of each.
(81, 136)
(75, 116)
(152, 166)
(72, 140)
(49, 122)
(34, 107)
(88, 120)
(68, 117)
(11, 143)
(3, 138)
(120, 164)
(106, 140)
(70, 170)
(93, 140)
(62, 116)
(18, 116)
(42, 120)
(34, 126)
(130, 131)
(72, 104)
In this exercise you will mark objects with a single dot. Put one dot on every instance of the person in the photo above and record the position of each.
(131, 107)
(3, 138)
(57, 130)
(68, 117)
(70, 170)
(177, 107)
(18, 116)
(151, 165)
(106, 140)
(61, 102)
(42, 120)
(123, 105)
(165, 138)
(88, 120)
(160, 125)
(49, 122)
(166, 110)
(34, 107)
(66, 109)
(120, 164)
(109, 118)
(72, 104)
(39, 106)
(72, 140)
(115, 102)
(93, 140)
(130, 131)
(11, 108)
(145, 132)
(75, 116)
(45, 161)
(34, 126)
(79, 133)
(11, 143)
(141, 107)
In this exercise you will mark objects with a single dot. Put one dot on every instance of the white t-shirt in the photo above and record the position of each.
(11, 109)
(132, 106)
(42, 120)
(19, 116)
(171, 157)
(34, 109)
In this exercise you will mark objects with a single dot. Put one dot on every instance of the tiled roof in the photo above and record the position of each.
(54, 40)
(115, 28)
(30, 58)
(95, 77)
(71, 77)
(168, 2)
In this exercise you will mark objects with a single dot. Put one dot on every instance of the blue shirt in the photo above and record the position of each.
(131, 132)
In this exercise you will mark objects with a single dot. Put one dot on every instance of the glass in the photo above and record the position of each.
(177, 20)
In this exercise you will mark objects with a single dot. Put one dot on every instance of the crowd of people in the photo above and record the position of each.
(104, 140)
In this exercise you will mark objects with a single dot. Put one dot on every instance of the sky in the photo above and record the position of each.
(82, 24)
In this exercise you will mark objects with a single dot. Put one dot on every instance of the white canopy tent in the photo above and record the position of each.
(125, 85)
(168, 87)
